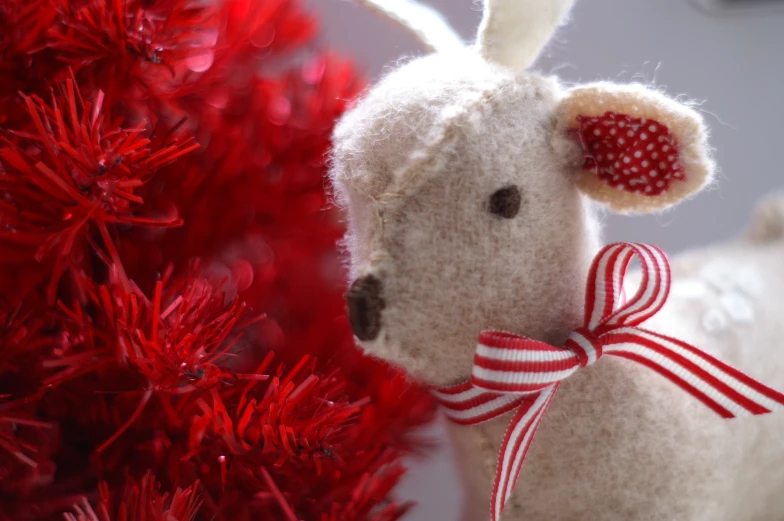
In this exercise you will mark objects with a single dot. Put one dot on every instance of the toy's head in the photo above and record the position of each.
(467, 183)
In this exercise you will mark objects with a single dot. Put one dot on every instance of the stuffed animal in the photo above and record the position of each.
(471, 187)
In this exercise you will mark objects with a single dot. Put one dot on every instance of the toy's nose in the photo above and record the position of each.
(365, 306)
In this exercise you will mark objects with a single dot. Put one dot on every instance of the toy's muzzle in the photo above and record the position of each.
(365, 306)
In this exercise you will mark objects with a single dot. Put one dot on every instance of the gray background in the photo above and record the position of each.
(731, 60)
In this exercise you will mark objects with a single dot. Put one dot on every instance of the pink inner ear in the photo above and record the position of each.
(632, 154)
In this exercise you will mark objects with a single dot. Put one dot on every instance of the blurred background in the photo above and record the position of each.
(726, 54)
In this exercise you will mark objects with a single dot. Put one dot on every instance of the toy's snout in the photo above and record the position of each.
(365, 305)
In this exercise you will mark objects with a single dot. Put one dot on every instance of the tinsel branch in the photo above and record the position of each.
(173, 342)
(140, 502)
(72, 176)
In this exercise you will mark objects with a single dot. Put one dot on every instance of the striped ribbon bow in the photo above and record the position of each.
(515, 373)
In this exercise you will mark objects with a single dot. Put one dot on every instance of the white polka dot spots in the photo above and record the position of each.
(628, 152)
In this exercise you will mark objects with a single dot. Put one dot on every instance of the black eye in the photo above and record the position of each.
(505, 202)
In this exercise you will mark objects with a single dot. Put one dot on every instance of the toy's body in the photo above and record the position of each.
(621, 443)
(467, 184)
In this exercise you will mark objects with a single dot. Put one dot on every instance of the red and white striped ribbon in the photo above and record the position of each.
(515, 373)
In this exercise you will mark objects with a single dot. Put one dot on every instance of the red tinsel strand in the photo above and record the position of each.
(134, 363)
(87, 171)
(26, 442)
(23, 26)
(140, 502)
(124, 34)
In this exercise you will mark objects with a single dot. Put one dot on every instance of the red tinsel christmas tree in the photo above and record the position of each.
(172, 339)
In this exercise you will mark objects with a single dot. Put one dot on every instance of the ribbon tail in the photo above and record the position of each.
(727, 391)
(517, 440)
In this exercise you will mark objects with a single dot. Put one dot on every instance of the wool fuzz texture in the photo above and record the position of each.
(416, 165)
(617, 432)
(470, 188)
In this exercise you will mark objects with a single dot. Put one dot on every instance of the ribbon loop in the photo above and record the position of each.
(604, 306)
(515, 373)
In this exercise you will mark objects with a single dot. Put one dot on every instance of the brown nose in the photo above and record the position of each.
(364, 307)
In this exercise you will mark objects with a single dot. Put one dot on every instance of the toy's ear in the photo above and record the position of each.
(513, 32)
(425, 24)
(641, 151)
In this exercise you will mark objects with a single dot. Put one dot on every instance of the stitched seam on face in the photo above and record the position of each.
(426, 158)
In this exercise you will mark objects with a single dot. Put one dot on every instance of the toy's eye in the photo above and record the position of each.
(505, 202)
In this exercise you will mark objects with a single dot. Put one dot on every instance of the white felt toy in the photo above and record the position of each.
(471, 186)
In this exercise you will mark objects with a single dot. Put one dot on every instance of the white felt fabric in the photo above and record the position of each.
(621, 443)
(513, 32)
(415, 164)
(426, 25)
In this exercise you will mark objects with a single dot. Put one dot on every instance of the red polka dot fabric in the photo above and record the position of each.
(633, 154)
